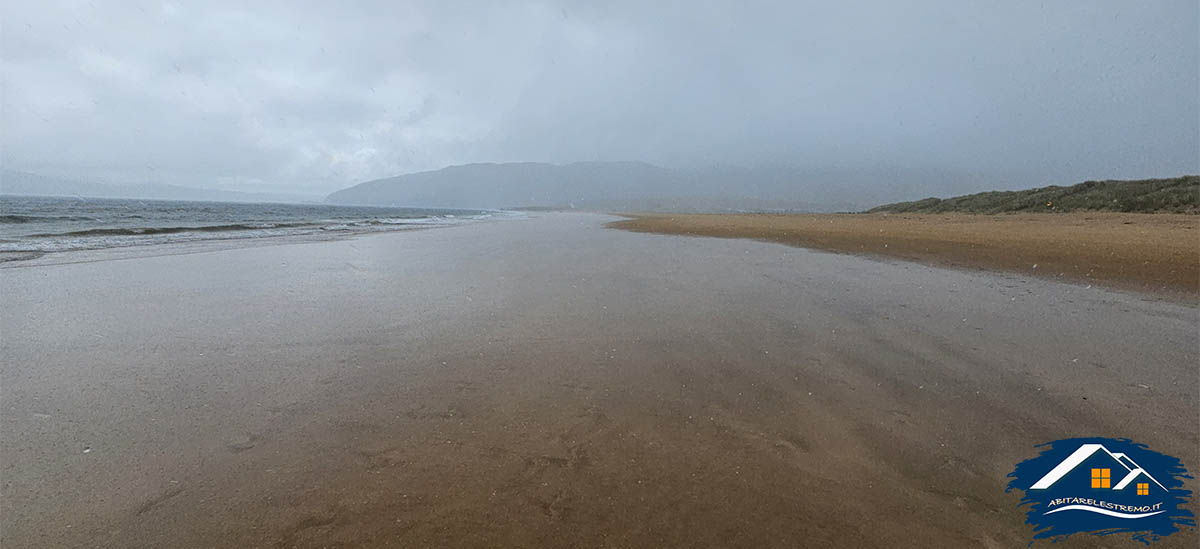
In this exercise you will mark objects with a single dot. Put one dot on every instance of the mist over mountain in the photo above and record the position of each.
(31, 184)
(631, 186)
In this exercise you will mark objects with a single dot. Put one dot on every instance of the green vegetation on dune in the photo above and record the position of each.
(1176, 195)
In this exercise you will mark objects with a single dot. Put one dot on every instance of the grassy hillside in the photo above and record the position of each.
(1179, 195)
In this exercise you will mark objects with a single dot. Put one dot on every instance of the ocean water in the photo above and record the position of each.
(33, 226)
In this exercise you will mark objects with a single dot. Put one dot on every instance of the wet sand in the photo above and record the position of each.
(1157, 253)
(550, 382)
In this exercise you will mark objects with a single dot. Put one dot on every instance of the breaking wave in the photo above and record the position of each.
(138, 231)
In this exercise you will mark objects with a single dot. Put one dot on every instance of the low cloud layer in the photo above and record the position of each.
(309, 97)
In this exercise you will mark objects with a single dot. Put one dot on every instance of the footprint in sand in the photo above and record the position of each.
(243, 443)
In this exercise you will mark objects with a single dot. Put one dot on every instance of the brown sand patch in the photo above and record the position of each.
(1146, 252)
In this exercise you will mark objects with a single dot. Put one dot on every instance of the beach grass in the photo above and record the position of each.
(1173, 195)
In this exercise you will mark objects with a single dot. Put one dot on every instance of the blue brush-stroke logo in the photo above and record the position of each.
(1103, 486)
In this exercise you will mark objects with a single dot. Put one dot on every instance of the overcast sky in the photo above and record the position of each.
(305, 97)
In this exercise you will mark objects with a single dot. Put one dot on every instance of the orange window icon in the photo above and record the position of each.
(1101, 478)
(1143, 489)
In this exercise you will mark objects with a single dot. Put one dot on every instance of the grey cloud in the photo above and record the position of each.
(311, 98)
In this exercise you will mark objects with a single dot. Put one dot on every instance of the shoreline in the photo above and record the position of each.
(34, 227)
(158, 249)
(1149, 253)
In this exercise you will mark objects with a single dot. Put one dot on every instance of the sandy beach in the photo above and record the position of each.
(553, 382)
(1150, 253)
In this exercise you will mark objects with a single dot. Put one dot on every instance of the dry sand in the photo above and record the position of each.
(549, 382)
(1148, 252)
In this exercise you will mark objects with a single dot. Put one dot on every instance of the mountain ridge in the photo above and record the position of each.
(640, 186)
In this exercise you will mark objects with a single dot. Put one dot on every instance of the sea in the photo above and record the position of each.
(32, 226)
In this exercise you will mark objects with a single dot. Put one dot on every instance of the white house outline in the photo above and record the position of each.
(1079, 456)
